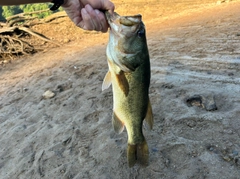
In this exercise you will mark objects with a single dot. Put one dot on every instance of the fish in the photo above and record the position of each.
(129, 74)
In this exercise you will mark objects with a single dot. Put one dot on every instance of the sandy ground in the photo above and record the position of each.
(195, 59)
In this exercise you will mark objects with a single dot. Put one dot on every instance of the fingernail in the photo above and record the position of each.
(110, 11)
(97, 11)
(88, 8)
(84, 11)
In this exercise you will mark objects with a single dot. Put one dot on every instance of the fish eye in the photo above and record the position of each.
(141, 33)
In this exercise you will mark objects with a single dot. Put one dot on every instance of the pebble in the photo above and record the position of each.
(62, 171)
(48, 94)
(227, 158)
(154, 149)
(5, 61)
(66, 40)
(235, 153)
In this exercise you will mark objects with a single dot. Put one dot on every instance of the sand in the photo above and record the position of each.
(195, 61)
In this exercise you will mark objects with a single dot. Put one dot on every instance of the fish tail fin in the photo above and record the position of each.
(138, 153)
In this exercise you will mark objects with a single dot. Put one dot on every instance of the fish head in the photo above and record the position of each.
(127, 38)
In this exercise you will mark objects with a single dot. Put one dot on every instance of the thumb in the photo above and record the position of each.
(107, 5)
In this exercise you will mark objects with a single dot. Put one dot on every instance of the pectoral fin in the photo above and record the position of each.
(107, 81)
(117, 124)
(122, 82)
(149, 115)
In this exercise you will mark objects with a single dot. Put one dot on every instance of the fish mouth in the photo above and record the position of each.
(123, 24)
(123, 30)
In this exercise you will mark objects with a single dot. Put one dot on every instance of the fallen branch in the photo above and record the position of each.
(20, 19)
(47, 19)
(7, 30)
(25, 14)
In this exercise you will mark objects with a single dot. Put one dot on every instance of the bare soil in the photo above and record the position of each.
(195, 60)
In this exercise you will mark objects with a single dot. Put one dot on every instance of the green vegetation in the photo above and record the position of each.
(1, 17)
(6, 11)
(36, 7)
(10, 10)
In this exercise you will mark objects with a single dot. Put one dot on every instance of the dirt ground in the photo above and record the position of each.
(195, 59)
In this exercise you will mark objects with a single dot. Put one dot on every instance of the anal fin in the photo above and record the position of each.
(149, 115)
(117, 124)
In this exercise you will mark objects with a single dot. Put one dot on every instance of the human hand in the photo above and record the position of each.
(86, 14)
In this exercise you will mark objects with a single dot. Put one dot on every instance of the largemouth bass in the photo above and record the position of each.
(129, 74)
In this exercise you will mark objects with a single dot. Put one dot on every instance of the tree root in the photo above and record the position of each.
(13, 34)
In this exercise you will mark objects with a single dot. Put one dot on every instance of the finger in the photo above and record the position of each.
(86, 23)
(98, 13)
(102, 21)
(93, 20)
